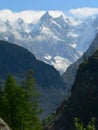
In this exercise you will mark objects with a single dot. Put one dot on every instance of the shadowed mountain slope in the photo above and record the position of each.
(17, 61)
(83, 102)
(70, 74)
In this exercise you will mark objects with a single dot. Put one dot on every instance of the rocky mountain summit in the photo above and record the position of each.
(55, 37)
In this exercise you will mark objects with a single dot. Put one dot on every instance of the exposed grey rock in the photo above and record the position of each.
(3, 125)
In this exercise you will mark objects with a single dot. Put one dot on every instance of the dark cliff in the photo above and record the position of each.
(83, 102)
(70, 74)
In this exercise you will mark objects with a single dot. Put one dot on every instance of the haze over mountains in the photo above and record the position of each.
(17, 61)
(55, 37)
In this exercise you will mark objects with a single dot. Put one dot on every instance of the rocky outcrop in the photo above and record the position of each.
(3, 125)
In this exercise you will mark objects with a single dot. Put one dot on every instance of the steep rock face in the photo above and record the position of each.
(83, 102)
(17, 61)
(69, 75)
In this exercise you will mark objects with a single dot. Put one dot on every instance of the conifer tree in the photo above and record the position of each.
(18, 105)
(32, 99)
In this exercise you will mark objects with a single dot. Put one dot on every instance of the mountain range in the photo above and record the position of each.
(56, 38)
(47, 45)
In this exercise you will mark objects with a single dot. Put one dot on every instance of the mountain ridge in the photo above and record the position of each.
(83, 100)
(17, 61)
(59, 39)
(72, 69)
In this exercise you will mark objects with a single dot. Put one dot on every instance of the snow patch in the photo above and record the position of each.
(6, 38)
(73, 45)
(39, 38)
(72, 34)
(56, 24)
(46, 30)
(49, 34)
(60, 63)
(48, 57)
(3, 29)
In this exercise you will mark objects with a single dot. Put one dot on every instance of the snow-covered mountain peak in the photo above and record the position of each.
(46, 17)
(55, 37)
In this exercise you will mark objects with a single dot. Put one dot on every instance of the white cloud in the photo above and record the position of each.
(33, 16)
(56, 14)
(7, 14)
(84, 12)
(28, 16)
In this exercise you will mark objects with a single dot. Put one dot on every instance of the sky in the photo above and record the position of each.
(20, 5)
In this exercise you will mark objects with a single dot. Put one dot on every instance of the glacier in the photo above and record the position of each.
(56, 37)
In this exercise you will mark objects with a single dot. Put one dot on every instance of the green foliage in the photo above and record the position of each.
(32, 100)
(90, 126)
(85, 62)
(48, 120)
(19, 105)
